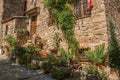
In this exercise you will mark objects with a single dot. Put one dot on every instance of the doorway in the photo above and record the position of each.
(33, 25)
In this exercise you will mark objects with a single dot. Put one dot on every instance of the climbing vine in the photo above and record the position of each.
(114, 48)
(63, 17)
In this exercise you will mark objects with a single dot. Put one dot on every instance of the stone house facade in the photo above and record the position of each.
(12, 15)
(91, 28)
(90, 31)
(12, 11)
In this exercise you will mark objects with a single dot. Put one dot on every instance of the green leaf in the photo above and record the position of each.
(98, 55)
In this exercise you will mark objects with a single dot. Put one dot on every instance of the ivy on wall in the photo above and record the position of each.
(114, 48)
(63, 17)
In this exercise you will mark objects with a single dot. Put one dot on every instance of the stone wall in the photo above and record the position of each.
(1, 13)
(31, 4)
(11, 28)
(113, 14)
(90, 31)
(13, 24)
(13, 8)
(1, 10)
(43, 30)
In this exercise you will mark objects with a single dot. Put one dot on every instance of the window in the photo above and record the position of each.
(82, 8)
(6, 30)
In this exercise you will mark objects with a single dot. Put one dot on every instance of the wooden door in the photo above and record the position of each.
(33, 25)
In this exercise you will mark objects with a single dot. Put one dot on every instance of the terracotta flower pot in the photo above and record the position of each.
(43, 53)
(58, 54)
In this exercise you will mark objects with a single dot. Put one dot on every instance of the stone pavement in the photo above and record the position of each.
(10, 71)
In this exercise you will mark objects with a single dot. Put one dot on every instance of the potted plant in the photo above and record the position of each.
(47, 67)
(92, 73)
(64, 61)
(103, 75)
(98, 55)
(58, 75)
(49, 63)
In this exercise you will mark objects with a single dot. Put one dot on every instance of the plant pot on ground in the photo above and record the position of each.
(103, 75)
(92, 73)
(98, 55)
(47, 67)
(58, 75)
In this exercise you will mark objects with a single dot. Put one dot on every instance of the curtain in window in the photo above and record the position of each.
(89, 4)
(82, 7)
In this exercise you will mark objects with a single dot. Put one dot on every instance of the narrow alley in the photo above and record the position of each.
(10, 71)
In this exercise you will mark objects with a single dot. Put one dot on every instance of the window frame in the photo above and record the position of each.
(82, 5)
